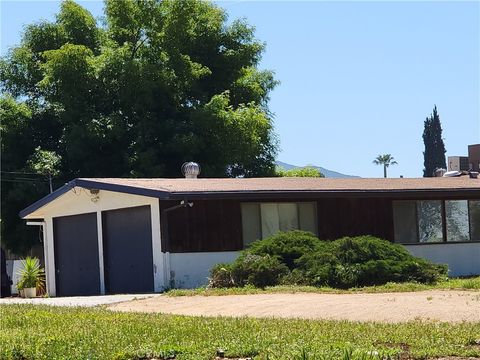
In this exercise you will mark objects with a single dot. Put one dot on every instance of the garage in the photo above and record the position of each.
(77, 269)
(127, 250)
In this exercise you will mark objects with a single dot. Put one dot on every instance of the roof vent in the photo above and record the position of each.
(439, 172)
(190, 170)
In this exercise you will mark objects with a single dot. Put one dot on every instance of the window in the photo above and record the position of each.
(430, 228)
(260, 220)
(430, 221)
(405, 222)
(474, 215)
(456, 217)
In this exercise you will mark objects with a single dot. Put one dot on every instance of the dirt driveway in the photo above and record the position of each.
(452, 306)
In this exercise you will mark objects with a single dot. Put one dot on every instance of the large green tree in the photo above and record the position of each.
(157, 84)
(434, 154)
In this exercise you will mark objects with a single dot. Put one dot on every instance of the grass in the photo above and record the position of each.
(42, 332)
(449, 284)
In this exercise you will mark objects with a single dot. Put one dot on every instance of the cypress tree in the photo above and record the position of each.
(434, 154)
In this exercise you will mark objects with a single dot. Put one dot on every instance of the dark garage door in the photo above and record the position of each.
(127, 250)
(76, 255)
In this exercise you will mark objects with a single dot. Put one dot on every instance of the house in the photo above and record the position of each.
(115, 235)
(464, 163)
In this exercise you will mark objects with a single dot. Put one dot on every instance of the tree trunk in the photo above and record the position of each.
(384, 171)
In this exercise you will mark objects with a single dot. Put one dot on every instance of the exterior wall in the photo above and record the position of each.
(474, 156)
(81, 201)
(191, 270)
(213, 225)
(463, 259)
(458, 163)
(354, 216)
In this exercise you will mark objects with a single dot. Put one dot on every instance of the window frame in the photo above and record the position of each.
(444, 223)
(276, 202)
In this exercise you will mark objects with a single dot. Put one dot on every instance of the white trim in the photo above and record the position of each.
(49, 257)
(101, 267)
(157, 256)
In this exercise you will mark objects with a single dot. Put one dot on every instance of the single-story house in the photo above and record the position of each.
(115, 235)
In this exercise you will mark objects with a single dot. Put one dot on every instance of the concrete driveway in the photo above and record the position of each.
(84, 301)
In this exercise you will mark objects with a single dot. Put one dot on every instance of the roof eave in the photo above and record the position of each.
(91, 184)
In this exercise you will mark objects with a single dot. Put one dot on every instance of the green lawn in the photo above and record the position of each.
(450, 284)
(41, 332)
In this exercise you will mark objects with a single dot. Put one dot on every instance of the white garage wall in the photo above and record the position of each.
(462, 259)
(191, 270)
(81, 201)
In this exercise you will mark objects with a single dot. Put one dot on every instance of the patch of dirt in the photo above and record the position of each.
(434, 305)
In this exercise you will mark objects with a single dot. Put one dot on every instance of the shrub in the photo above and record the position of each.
(259, 271)
(221, 276)
(300, 258)
(366, 261)
(286, 246)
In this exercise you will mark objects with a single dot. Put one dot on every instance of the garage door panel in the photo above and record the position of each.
(128, 256)
(76, 255)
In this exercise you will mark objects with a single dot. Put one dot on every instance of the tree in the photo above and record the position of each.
(307, 171)
(160, 83)
(434, 154)
(45, 163)
(386, 160)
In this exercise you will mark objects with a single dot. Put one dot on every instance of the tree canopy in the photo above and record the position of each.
(434, 154)
(307, 171)
(157, 84)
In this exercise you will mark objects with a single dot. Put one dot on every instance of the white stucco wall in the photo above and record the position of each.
(81, 201)
(462, 259)
(191, 270)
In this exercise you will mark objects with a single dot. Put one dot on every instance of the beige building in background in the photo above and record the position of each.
(465, 163)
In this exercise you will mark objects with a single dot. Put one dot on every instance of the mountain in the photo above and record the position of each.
(326, 172)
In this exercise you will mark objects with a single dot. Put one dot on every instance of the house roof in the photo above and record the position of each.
(179, 188)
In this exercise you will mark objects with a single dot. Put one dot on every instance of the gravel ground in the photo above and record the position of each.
(86, 301)
(435, 305)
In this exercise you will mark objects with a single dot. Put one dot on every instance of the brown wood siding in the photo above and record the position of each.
(207, 226)
(216, 225)
(355, 216)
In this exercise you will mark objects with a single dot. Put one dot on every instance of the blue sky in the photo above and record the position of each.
(357, 78)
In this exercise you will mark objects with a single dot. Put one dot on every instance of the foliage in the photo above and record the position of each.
(31, 275)
(386, 160)
(306, 171)
(45, 162)
(257, 270)
(434, 154)
(390, 287)
(157, 84)
(286, 246)
(344, 263)
(45, 332)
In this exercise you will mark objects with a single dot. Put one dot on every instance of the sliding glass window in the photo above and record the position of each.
(457, 222)
(430, 228)
(474, 216)
(433, 221)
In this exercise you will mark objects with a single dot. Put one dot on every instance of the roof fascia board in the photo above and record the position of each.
(454, 193)
(47, 199)
(89, 184)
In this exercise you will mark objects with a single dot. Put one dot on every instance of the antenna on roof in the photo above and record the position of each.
(190, 170)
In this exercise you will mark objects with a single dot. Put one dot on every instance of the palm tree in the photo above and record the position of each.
(385, 160)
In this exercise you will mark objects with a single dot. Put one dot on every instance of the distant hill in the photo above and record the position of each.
(326, 172)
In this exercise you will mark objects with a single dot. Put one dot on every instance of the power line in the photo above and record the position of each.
(25, 181)
(20, 172)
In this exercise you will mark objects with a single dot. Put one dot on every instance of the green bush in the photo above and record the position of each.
(300, 258)
(286, 246)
